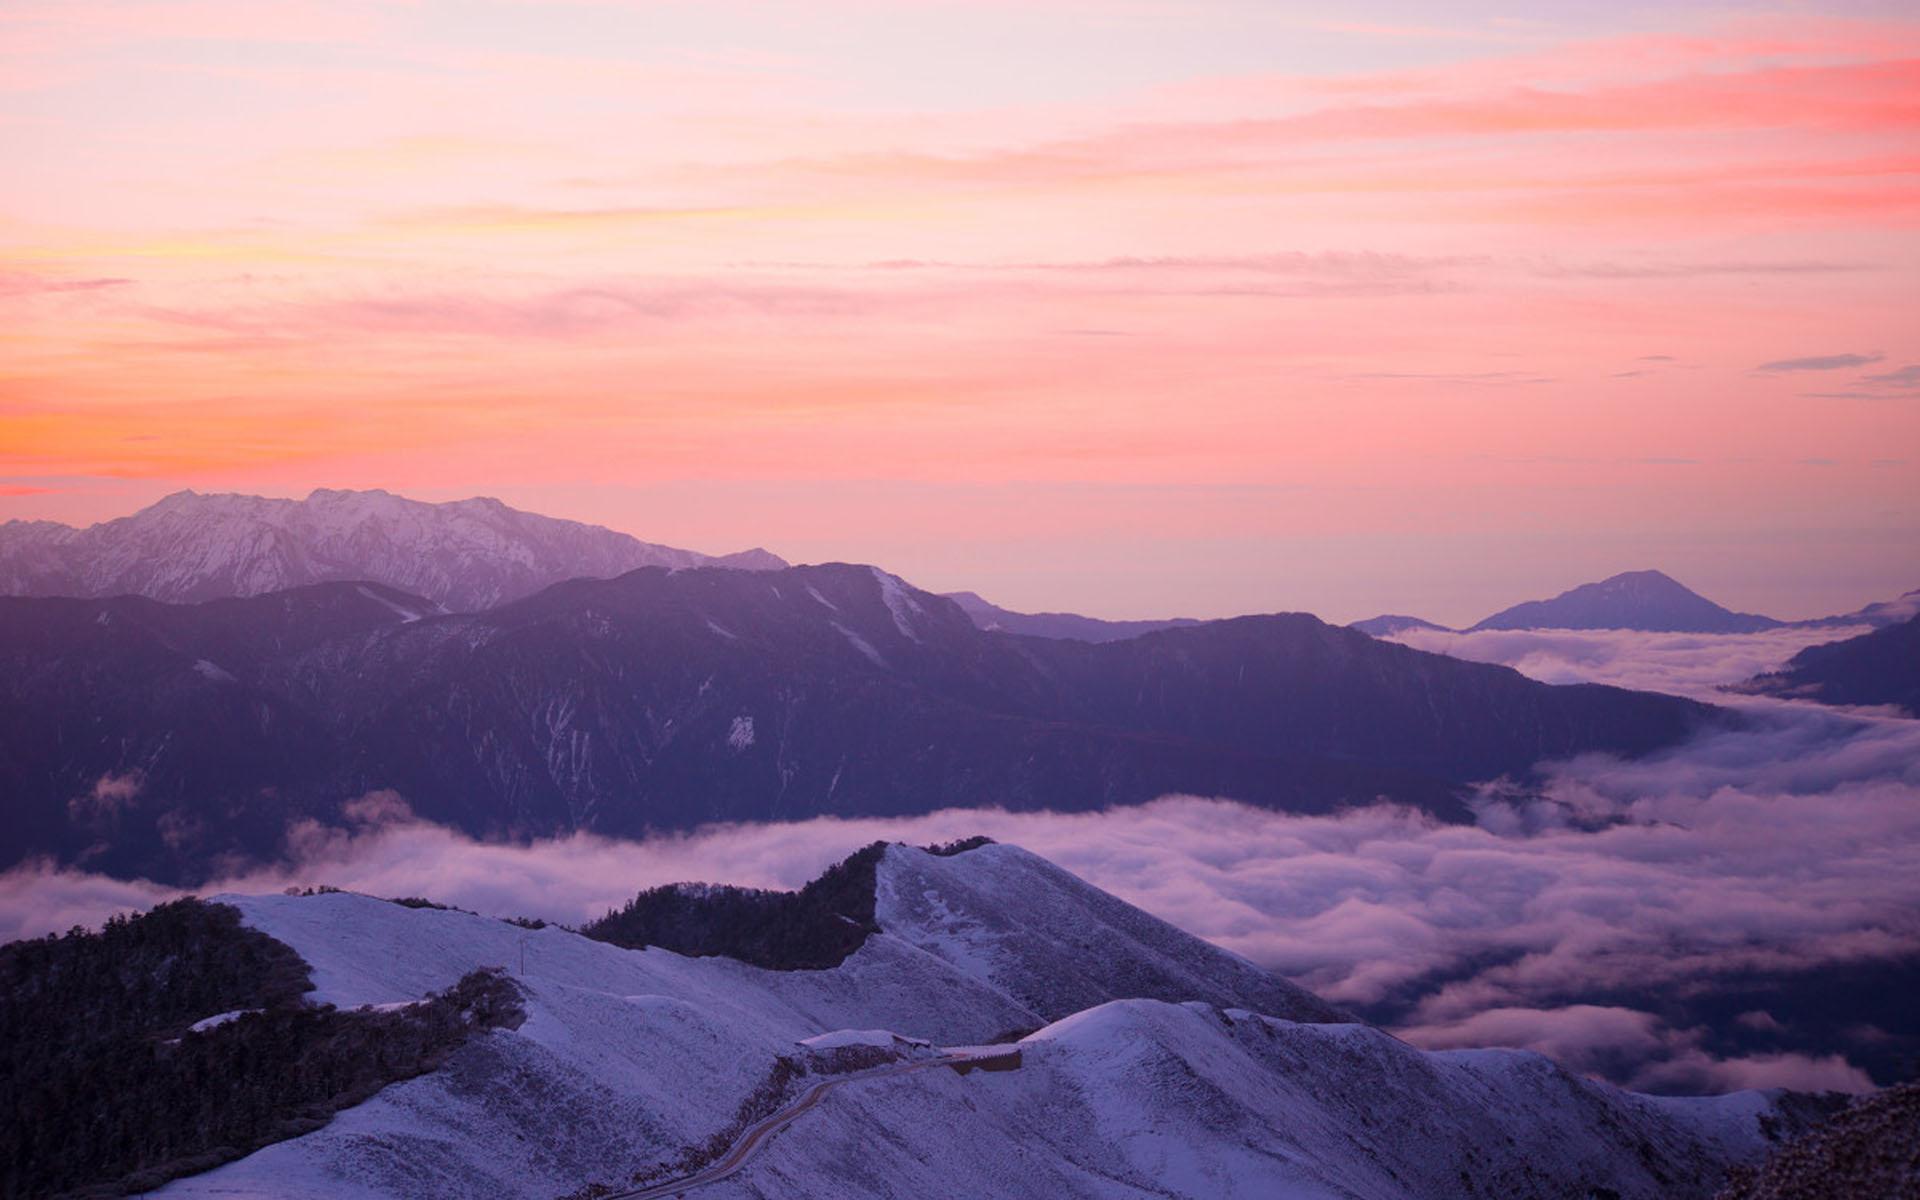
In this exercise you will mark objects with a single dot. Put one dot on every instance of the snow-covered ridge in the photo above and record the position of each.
(463, 554)
(1058, 944)
(627, 1057)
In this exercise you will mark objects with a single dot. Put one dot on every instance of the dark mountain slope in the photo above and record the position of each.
(1645, 600)
(1882, 667)
(1338, 692)
(145, 738)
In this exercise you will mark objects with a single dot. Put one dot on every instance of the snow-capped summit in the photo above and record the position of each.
(463, 554)
(1643, 600)
(1056, 943)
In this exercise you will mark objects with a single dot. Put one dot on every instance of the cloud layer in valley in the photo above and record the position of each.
(1788, 845)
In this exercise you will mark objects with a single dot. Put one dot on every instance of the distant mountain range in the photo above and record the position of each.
(1648, 601)
(147, 738)
(1057, 624)
(1392, 623)
(1879, 615)
(462, 555)
(468, 555)
(1882, 667)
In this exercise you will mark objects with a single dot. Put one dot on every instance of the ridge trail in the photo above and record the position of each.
(762, 1131)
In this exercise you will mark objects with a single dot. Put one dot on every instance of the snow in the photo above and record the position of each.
(211, 670)
(884, 1038)
(861, 644)
(467, 554)
(219, 1019)
(626, 1057)
(632, 1055)
(723, 631)
(1056, 943)
(899, 600)
(407, 615)
(815, 593)
(740, 735)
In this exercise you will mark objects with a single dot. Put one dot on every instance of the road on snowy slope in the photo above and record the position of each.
(757, 1134)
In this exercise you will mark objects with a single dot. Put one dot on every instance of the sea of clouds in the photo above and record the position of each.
(1789, 844)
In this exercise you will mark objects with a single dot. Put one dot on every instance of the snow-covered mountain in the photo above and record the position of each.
(629, 1058)
(1644, 600)
(464, 554)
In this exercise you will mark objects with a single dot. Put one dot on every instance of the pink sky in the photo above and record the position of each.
(1134, 308)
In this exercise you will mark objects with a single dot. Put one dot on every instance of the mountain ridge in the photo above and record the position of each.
(1880, 667)
(630, 1059)
(464, 554)
(667, 699)
(1067, 625)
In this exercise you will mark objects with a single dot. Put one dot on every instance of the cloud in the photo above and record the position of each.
(1820, 362)
(1788, 846)
(19, 284)
(1905, 377)
(1693, 270)
(1693, 664)
(578, 311)
(1479, 378)
(1760, 1021)
(111, 794)
(1638, 1048)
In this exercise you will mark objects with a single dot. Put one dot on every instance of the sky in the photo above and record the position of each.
(1131, 307)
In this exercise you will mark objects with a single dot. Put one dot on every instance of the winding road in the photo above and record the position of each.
(758, 1133)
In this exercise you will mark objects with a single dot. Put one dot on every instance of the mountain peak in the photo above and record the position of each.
(1646, 600)
(173, 501)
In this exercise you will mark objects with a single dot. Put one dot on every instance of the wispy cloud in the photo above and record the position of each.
(1905, 377)
(21, 284)
(1820, 362)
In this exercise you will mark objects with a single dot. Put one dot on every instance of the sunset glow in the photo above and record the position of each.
(1132, 308)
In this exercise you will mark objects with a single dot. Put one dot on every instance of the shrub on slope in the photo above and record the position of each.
(1870, 1150)
(813, 929)
(113, 1089)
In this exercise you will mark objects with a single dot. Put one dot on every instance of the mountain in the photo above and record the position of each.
(1056, 625)
(1644, 600)
(464, 555)
(1878, 615)
(1390, 624)
(154, 739)
(610, 1069)
(1882, 667)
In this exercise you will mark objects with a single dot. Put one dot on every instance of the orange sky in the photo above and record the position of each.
(1134, 308)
